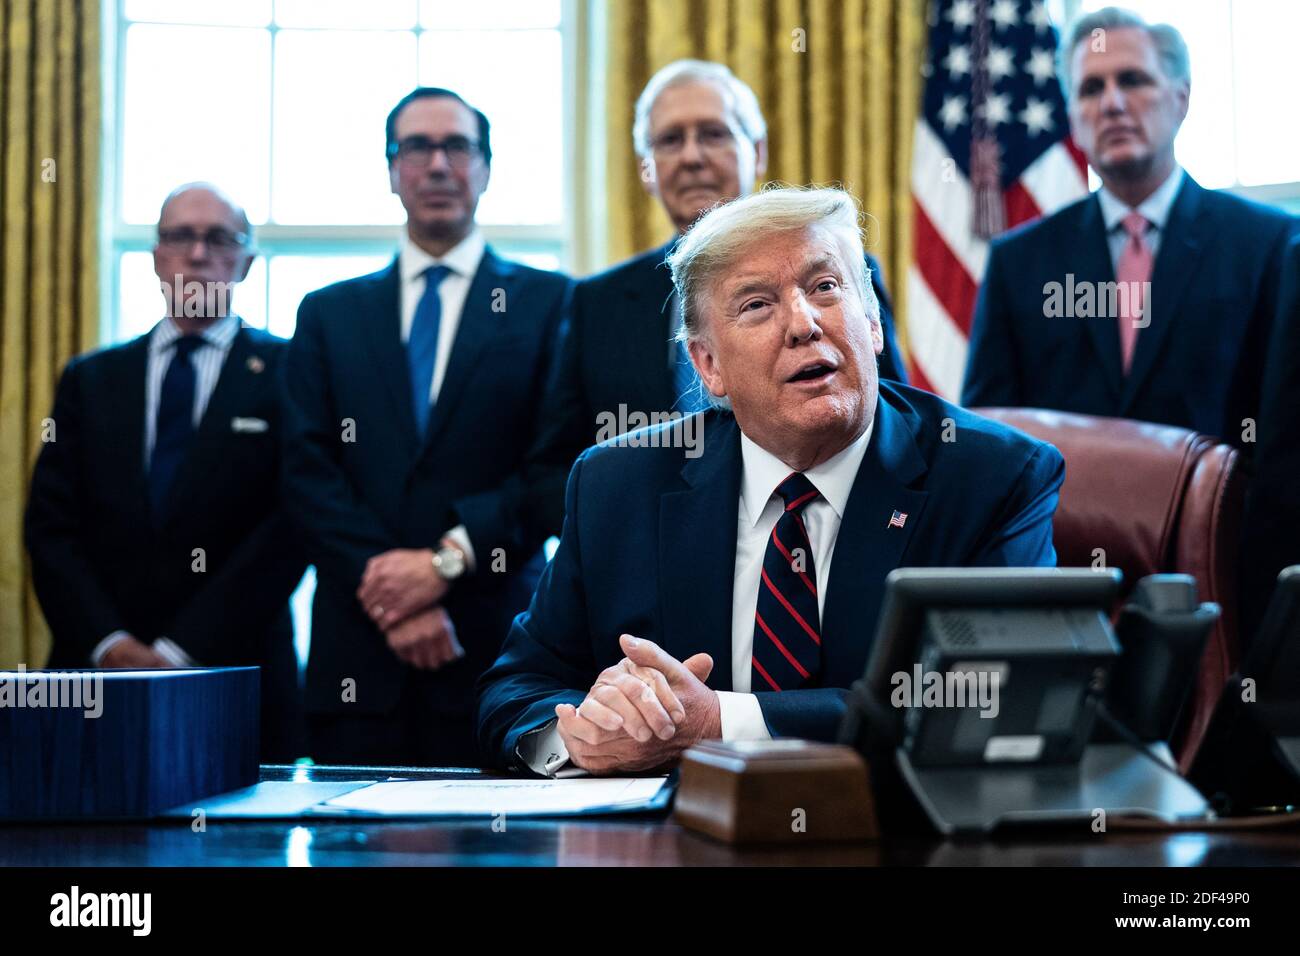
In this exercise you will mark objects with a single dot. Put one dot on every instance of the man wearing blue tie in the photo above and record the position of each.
(411, 396)
(734, 593)
(155, 525)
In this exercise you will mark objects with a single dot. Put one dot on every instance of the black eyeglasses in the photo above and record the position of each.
(712, 138)
(217, 240)
(416, 151)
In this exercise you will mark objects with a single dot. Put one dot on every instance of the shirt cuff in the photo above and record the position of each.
(107, 644)
(741, 717)
(542, 750)
(460, 538)
(171, 652)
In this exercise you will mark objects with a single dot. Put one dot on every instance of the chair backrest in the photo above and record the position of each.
(1146, 499)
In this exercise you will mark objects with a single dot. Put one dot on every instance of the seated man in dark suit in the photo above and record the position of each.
(1150, 299)
(702, 140)
(154, 525)
(1272, 522)
(731, 588)
(412, 397)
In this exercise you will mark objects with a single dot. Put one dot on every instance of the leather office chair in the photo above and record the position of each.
(1154, 499)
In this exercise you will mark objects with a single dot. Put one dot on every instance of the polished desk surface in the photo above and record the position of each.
(611, 841)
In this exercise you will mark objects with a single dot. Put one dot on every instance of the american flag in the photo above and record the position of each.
(898, 520)
(992, 150)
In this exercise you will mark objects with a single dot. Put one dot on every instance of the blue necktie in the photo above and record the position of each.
(174, 426)
(422, 345)
(787, 623)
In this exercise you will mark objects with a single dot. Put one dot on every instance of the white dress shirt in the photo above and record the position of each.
(759, 510)
(208, 360)
(463, 261)
(1155, 209)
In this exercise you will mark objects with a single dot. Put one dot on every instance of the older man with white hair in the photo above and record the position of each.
(733, 594)
(700, 139)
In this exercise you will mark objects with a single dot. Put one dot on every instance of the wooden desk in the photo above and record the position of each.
(628, 841)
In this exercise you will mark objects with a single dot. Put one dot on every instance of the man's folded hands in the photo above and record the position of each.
(641, 713)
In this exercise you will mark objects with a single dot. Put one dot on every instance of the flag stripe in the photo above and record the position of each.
(938, 345)
(951, 284)
(1010, 47)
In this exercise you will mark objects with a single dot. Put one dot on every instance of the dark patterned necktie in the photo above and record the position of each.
(787, 625)
(174, 424)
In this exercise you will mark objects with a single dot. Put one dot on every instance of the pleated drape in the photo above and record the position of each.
(49, 194)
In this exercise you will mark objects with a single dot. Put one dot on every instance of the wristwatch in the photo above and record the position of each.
(449, 562)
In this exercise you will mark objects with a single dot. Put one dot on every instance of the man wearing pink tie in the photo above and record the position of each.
(1150, 299)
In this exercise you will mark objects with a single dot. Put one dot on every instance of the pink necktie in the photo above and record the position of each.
(1133, 272)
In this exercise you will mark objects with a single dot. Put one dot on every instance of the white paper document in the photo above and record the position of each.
(492, 797)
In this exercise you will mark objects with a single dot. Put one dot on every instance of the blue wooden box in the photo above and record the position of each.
(124, 743)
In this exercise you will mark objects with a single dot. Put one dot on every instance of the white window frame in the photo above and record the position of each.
(568, 239)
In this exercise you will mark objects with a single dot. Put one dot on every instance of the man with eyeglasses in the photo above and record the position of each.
(412, 396)
(154, 524)
(702, 140)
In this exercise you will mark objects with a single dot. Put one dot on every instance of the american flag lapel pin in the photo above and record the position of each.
(898, 519)
(255, 364)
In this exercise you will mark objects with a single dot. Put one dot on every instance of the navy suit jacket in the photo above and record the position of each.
(99, 563)
(1197, 365)
(1272, 523)
(614, 350)
(359, 483)
(649, 549)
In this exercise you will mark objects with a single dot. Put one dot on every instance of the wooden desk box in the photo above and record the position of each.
(776, 791)
(161, 738)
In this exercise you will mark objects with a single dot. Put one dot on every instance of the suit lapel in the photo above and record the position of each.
(868, 547)
(478, 325)
(697, 551)
(1185, 235)
(645, 330)
(1095, 267)
(379, 325)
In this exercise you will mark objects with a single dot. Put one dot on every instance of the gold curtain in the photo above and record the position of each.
(839, 82)
(49, 288)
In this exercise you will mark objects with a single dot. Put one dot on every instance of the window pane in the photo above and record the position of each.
(292, 277)
(242, 13)
(516, 14)
(195, 107)
(346, 14)
(527, 185)
(140, 302)
(1268, 145)
(550, 261)
(329, 164)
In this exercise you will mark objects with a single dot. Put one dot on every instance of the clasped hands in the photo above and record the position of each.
(642, 712)
(401, 591)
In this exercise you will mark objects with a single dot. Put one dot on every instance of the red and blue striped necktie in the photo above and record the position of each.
(787, 625)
